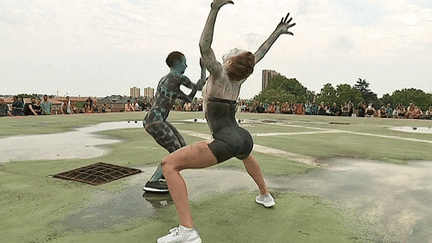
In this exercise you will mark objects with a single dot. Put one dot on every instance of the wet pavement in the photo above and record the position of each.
(395, 201)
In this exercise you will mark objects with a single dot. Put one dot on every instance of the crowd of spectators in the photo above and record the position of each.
(347, 109)
(37, 106)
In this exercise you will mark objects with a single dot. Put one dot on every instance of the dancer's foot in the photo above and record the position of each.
(156, 186)
(266, 200)
(181, 234)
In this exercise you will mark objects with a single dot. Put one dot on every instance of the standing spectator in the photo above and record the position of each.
(128, 107)
(66, 107)
(4, 109)
(29, 108)
(46, 106)
(37, 107)
(389, 111)
(17, 107)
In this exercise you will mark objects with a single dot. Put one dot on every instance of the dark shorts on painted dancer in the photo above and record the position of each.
(230, 140)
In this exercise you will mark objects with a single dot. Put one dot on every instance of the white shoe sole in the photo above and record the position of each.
(264, 204)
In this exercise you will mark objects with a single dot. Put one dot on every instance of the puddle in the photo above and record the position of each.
(79, 144)
(398, 198)
(413, 129)
(108, 209)
(394, 200)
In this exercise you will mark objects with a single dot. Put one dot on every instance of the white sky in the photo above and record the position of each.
(104, 47)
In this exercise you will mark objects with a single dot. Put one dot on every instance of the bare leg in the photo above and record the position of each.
(197, 155)
(254, 171)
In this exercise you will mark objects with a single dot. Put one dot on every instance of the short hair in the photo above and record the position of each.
(174, 58)
(242, 64)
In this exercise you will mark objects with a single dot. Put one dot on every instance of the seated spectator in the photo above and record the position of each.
(128, 107)
(89, 109)
(314, 108)
(95, 106)
(415, 112)
(401, 112)
(89, 102)
(307, 107)
(277, 108)
(382, 113)
(389, 111)
(37, 107)
(370, 111)
(299, 109)
(260, 108)
(361, 109)
(286, 108)
(345, 110)
(187, 106)
(271, 108)
(4, 109)
(46, 106)
(428, 113)
(334, 110)
(29, 108)
(104, 108)
(136, 105)
(17, 107)
(66, 107)
(322, 109)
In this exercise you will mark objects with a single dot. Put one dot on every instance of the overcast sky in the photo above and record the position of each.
(104, 47)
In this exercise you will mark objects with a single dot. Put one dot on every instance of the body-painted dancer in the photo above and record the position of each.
(155, 123)
(229, 140)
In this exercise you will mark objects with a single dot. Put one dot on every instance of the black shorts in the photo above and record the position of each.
(230, 140)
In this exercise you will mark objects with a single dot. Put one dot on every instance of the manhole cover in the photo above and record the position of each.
(98, 173)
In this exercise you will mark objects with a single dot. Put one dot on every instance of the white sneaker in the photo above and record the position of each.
(266, 200)
(181, 235)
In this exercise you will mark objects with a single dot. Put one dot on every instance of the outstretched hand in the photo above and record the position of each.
(219, 3)
(284, 25)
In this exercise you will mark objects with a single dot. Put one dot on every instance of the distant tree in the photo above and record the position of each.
(327, 94)
(283, 89)
(275, 95)
(346, 93)
(385, 100)
(412, 95)
(363, 86)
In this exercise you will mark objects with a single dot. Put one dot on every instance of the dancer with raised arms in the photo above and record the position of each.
(229, 140)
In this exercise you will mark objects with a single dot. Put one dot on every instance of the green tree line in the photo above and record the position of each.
(282, 89)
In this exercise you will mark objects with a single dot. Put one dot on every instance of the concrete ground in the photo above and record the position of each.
(389, 202)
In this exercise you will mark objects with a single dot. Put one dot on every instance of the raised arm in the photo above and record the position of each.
(201, 82)
(186, 82)
(206, 40)
(282, 28)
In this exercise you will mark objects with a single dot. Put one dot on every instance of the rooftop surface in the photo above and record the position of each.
(335, 179)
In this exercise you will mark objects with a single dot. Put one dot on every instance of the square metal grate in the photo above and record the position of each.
(98, 173)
